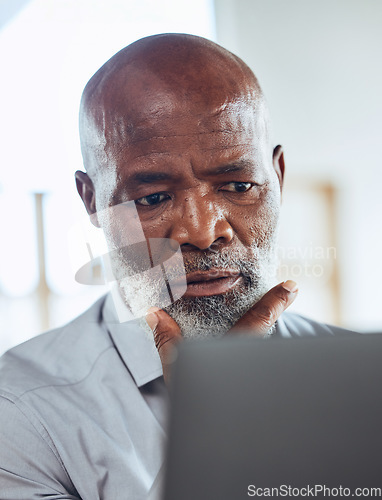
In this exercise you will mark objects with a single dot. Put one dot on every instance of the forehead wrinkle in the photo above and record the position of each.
(151, 127)
(238, 121)
(121, 148)
(115, 151)
(169, 136)
(154, 153)
(128, 121)
(220, 147)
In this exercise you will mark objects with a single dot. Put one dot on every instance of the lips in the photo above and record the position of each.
(212, 282)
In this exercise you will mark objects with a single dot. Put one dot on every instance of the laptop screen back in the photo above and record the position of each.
(252, 414)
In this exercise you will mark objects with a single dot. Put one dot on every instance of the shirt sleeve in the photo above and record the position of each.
(30, 467)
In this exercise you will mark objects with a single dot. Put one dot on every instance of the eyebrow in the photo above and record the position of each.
(237, 166)
(149, 177)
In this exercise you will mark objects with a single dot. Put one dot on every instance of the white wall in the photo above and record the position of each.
(319, 63)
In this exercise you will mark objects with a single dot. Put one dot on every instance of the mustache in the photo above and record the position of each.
(203, 262)
(238, 261)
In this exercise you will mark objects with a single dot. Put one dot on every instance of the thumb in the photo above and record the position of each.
(263, 315)
(166, 335)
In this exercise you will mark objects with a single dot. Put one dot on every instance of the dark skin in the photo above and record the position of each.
(198, 164)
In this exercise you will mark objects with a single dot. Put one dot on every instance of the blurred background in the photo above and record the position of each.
(319, 65)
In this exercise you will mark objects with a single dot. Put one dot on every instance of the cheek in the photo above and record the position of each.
(114, 231)
(158, 227)
(259, 223)
(121, 225)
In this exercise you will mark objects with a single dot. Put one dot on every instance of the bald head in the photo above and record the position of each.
(153, 82)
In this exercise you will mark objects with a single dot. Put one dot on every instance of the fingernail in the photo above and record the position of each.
(151, 318)
(290, 286)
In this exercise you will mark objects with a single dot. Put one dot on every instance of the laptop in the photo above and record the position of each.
(255, 417)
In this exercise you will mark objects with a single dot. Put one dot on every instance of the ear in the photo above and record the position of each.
(278, 164)
(86, 190)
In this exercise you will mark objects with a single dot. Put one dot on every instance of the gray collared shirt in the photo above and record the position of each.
(83, 410)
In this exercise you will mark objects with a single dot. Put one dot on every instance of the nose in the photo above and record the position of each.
(201, 224)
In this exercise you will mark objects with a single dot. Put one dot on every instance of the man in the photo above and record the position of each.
(174, 128)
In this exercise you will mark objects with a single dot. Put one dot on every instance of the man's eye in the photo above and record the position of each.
(237, 187)
(151, 199)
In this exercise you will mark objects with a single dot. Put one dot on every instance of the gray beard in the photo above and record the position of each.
(213, 316)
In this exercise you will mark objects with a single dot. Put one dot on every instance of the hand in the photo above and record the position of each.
(257, 321)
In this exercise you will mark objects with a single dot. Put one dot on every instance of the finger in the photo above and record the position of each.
(263, 315)
(166, 334)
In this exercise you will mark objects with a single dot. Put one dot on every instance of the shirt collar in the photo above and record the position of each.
(135, 346)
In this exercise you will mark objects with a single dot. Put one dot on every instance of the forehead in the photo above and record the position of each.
(180, 132)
